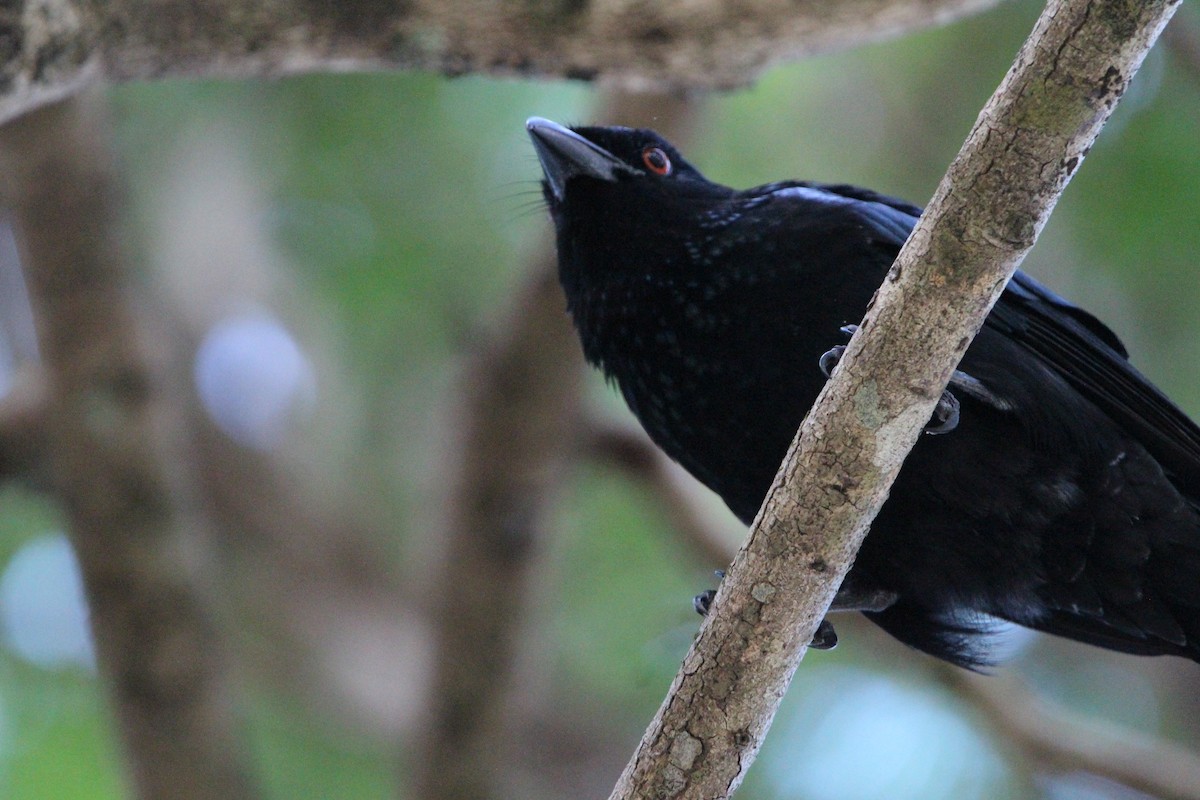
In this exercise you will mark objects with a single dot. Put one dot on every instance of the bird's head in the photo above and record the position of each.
(586, 157)
(623, 200)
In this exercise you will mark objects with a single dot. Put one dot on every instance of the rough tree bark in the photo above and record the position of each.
(113, 428)
(988, 211)
(49, 48)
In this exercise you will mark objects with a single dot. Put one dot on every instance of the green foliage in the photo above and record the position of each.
(303, 757)
(57, 735)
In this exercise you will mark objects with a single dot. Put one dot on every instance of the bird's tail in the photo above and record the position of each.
(966, 642)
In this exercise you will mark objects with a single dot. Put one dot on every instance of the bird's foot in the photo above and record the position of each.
(830, 358)
(945, 415)
(824, 639)
(703, 601)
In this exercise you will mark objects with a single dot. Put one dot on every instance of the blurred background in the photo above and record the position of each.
(340, 246)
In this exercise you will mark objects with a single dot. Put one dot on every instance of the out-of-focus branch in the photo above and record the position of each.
(633, 453)
(519, 428)
(49, 48)
(327, 616)
(117, 457)
(1182, 38)
(984, 218)
(319, 609)
(1056, 740)
(522, 401)
(23, 426)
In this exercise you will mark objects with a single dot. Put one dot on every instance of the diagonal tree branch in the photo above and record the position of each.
(985, 216)
(49, 48)
(116, 446)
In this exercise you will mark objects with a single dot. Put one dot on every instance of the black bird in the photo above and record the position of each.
(1065, 493)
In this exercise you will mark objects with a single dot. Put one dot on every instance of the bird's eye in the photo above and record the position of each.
(656, 160)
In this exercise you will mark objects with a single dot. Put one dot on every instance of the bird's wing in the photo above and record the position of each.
(1092, 360)
(1068, 340)
(890, 220)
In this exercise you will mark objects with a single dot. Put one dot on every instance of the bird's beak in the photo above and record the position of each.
(565, 154)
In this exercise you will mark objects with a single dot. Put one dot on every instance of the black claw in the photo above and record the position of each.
(945, 415)
(830, 358)
(703, 601)
(825, 638)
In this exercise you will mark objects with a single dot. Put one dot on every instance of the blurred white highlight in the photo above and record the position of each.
(254, 380)
(42, 609)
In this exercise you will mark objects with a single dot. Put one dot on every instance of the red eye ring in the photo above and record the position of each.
(656, 160)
